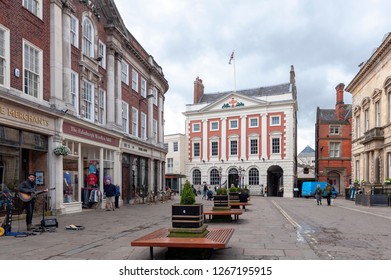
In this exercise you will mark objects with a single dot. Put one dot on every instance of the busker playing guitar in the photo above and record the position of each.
(27, 192)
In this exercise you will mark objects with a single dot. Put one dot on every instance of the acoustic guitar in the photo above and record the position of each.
(26, 197)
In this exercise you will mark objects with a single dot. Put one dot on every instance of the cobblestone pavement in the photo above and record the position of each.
(262, 232)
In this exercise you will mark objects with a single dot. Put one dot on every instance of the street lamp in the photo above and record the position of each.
(240, 176)
(220, 174)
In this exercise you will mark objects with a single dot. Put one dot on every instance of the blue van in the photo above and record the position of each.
(308, 189)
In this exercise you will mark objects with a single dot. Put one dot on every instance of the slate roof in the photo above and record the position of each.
(256, 92)
(308, 151)
(328, 115)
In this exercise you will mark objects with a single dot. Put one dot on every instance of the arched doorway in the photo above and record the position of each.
(275, 181)
(233, 177)
(333, 178)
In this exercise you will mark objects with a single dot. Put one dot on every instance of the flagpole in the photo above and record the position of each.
(234, 76)
(230, 59)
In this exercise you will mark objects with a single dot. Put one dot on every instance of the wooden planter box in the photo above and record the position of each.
(220, 201)
(187, 216)
(243, 197)
(234, 197)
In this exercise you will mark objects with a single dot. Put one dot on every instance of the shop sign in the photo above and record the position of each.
(89, 134)
(24, 115)
(92, 179)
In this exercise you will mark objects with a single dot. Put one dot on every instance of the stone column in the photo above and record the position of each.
(56, 55)
(110, 106)
(118, 91)
(243, 138)
(264, 137)
(223, 138)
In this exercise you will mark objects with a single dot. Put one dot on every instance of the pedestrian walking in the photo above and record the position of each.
(205, 191)
(117, 195)
(109, 189)
(328, 190)
(318, 195)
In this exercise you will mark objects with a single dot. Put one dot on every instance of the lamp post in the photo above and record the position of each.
(240, 176)
(220, 174)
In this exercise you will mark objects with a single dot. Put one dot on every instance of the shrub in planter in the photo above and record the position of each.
(187, 213)
(220, 200)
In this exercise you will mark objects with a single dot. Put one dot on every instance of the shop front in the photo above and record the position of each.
(142, 171)
(92, 156)
(25, 138)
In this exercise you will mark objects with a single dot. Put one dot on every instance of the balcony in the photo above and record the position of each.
(374, 135)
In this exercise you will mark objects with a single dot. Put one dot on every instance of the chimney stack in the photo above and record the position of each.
(340, 105)
(198, 90)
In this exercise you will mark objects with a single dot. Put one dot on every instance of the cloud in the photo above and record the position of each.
(324, 40)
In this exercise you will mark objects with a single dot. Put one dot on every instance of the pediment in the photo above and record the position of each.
(233, 101)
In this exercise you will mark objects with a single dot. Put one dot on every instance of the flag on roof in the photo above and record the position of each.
(232, 57)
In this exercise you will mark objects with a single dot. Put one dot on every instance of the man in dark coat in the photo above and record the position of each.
(28, 187)
(110, 194)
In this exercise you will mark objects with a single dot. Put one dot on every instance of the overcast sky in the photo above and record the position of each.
(324, 40)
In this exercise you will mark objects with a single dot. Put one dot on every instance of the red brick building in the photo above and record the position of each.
(334, 143)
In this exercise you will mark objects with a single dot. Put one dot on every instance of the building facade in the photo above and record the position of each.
(244, 138)
(371, 128)
(73, 76)
(176, 147)
(333, 143)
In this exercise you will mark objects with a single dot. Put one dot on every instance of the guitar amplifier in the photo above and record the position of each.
(49, 222)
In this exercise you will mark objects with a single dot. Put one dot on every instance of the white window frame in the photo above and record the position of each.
(34, 6)
(194, 127)
(88, 101)
(250, 124)
(250, 146)
(335, 149)
(194, 149)
(74, 91)
(125, 117)
(134, 80)
(389, 107)
(335, 129)
(214, 123)
(88, 39)
(102, 54)
(170, 165)
(143, 87)
(212, 148)
(37, 72)
(272, 120)
(124, 72)
(272, 145)
(74, 31)
(377, 113)
(102, 107)
(155, 95)
(143, 124)
(358, 126)
(230, 147)
(155, 131)
(134, 121)
(366, 114)
(5, 56)
(231, 122)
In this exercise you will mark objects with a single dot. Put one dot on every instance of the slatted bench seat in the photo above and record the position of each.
(236, 205)
(230, 212)
(217, 238)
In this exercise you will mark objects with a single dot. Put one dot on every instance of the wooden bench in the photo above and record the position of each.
(217, 238)
(236, 205)
(234, 212)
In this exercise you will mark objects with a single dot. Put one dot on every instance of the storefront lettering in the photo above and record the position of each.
(25, 116)
(88, 134)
